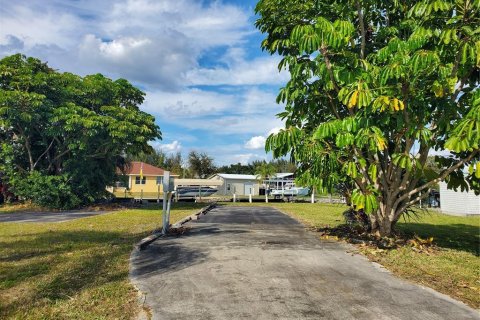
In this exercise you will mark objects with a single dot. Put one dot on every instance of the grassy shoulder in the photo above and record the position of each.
(75, 269)
(451, 267)
(19, 207)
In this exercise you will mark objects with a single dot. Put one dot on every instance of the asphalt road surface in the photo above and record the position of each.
(257, 263)
(46, 216)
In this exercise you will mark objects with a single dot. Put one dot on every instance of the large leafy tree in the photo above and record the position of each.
(377, 86)
(63, 136)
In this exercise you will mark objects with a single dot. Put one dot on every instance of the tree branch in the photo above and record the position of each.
(440, 178)
(44, 153)
(362, 30)
(328, 64)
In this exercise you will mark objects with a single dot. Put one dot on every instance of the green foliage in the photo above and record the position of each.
(62, 129)
(47, 191)
(200, 164)
(374, 87)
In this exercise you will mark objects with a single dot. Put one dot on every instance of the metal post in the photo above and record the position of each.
(234, 197)
(158, 193)
(166, 181)
(313, 195)
(169, 205)
(250, 196)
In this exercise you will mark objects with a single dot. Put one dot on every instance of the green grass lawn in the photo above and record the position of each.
(75, 269)
(453, 268)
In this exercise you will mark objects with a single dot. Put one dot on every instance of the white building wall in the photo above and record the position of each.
(458, 203)
(237, 185)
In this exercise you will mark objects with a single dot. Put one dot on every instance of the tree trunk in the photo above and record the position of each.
(383, 221)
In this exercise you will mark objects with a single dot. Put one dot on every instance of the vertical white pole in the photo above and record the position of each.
(166, 181)
(250, 196)
(313, 195)
(234, 197)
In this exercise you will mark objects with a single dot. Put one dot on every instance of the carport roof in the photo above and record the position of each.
(237, 176)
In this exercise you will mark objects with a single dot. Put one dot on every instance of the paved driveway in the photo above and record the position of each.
(46, 216)
(257, 263)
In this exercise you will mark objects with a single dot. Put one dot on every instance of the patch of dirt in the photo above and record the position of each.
(357, 236)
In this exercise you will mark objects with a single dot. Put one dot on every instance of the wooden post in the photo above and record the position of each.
(141, 195)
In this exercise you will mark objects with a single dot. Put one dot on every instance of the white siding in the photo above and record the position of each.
(458, 203)
(237, 185)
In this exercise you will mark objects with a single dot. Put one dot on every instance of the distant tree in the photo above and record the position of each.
(237, 168)
(374, 87)
(200, 164)
(265, 171)
(64, 136)
(156, 157)
(283, 165)
(175, 164)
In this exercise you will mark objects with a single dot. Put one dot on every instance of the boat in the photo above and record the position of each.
(192, 192)
(290, 192)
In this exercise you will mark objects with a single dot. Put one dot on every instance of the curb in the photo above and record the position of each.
(143, 244)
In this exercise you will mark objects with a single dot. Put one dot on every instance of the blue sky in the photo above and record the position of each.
(208, 83)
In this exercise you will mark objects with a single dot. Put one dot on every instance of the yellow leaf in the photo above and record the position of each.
(401, 105)
(395, 104)
(381, 144)
(353, 99)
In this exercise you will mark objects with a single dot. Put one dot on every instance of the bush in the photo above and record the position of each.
(47, 191)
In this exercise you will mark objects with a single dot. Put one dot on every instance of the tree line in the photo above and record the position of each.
(201, 165)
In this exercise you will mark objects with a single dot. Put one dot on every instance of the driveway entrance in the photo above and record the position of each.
(257, 263)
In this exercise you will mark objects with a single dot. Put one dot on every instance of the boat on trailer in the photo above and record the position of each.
(192, 192)
(290, 192)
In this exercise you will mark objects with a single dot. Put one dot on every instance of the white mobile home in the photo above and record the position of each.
(458, 203)
(240, 184)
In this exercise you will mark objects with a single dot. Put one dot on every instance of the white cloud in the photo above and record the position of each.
(239, 71)
(274, 131)
(257, 142)
(173, 147)
(187, 103)
(35, 26)
(245, 158)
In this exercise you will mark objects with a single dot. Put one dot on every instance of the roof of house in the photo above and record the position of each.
(147, 169)
(250, 176)
(283, 175)
(237, 176)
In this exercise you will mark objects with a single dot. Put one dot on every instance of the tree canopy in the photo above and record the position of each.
(63, 136)
(376, 87)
